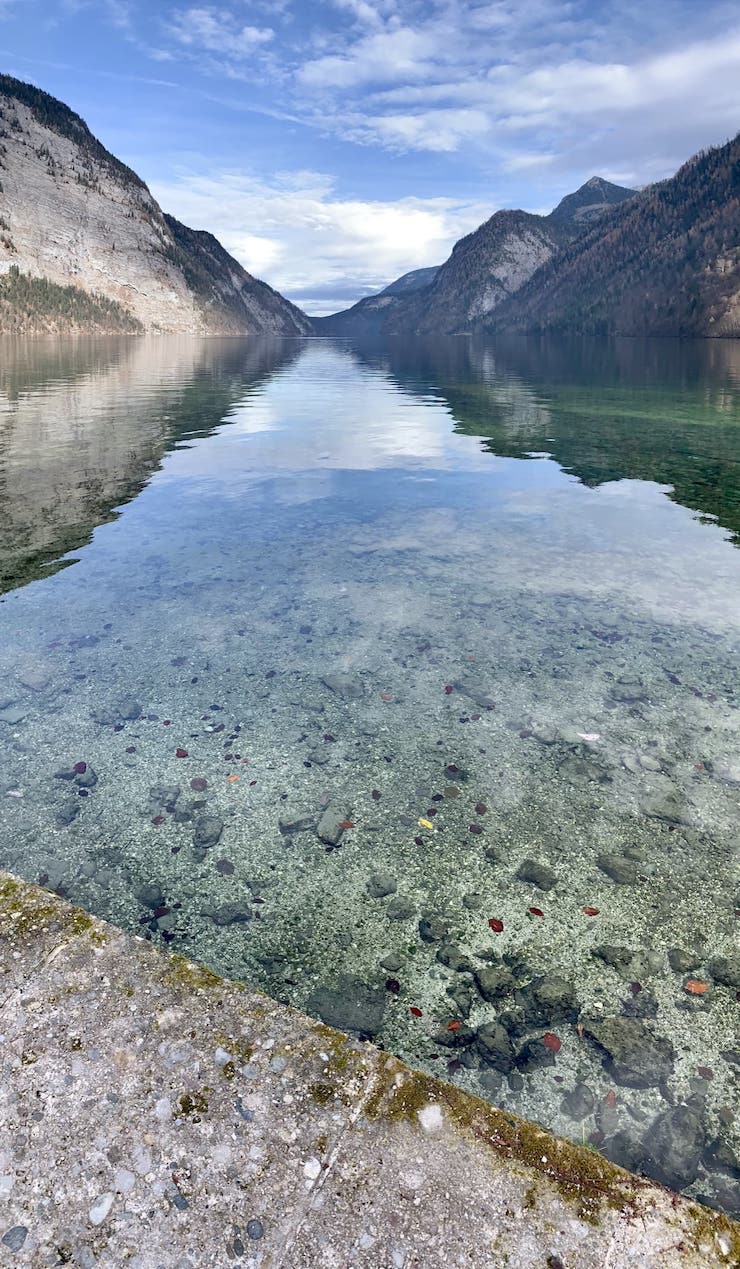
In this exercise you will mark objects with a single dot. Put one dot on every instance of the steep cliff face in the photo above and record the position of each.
(72, 214)
(665, 263)
(485, 268)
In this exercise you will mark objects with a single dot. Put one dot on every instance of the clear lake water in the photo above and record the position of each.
(402, 681)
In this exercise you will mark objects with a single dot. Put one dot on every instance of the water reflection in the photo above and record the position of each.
(84, 424)
(658, 410)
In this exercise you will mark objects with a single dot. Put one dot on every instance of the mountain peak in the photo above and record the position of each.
(589, 201)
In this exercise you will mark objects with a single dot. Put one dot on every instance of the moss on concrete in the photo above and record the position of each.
(193, 1104)
(183, 973)
(586, 1180)
(30, 910)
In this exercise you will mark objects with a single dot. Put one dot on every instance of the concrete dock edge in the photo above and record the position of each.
(156, 1116)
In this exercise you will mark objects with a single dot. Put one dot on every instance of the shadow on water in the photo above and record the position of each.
(85, 423)
(657, 410)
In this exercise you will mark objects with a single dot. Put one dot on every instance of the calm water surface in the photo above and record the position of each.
(400, 677)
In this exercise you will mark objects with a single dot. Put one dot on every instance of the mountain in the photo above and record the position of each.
(485, 269)
(73, 216)
(665, 263)
(588, 202)
(369, 315)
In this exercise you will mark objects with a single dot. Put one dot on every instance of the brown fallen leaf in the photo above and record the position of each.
(695, 987)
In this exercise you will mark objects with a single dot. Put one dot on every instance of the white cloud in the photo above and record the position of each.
(315, 247)
(217, 31)
(398, 54)
(458, 75)
(435, 130)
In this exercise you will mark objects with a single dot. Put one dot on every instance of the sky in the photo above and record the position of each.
(332, 145)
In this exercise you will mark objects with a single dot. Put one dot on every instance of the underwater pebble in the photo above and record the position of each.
(330, 827)
(381, 884)
(536, 874)
(621, 870)
(207, 831)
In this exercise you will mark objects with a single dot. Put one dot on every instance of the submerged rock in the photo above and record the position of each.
(665, 806)
(494, 982)
(229, 914)
(12, 715)
(674, 1144)
(549, 999)
(495, 1047)
(150, 895)
(346, 686)
(453, 957)
(295, 820)
(533, 1055)
(632, 1053)
(460, 993)
(433, 929)
(66, 813)
(207, 832)
(537, 874)
(400, 908)
(473, 900)
(726, 970)
(578, 1103)
(125, 709)
(352, 1005)
(164, 794)
(681, 961)
(381, 884)
(457, 1038)
(329, 829)
(622, 959)
(621, 870)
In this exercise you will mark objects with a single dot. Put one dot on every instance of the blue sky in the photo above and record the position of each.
(333, 145)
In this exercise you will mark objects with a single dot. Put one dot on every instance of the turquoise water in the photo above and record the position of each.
(363, 653)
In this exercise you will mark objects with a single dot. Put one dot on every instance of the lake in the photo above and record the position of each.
(401, 681)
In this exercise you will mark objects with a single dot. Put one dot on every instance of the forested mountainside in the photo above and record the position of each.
(73, 215)
(665, 263)
(484, 269)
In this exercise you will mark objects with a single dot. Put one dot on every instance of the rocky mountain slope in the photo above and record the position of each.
(665, 263)
(370, 314)
(74, 215)
(588, 202)
(485, 268)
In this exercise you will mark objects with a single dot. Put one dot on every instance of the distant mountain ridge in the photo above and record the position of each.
(484, 269)
(370, 314)
(72, 215)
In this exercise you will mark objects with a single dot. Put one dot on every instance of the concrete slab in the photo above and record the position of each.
(155, 1116)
